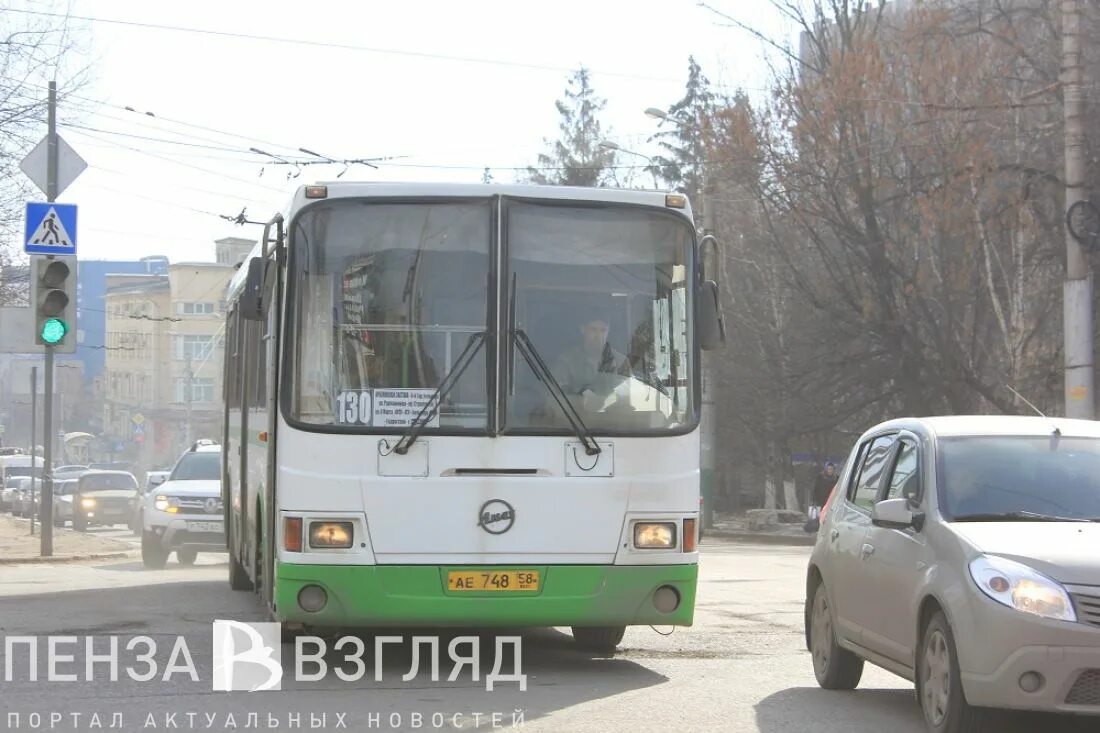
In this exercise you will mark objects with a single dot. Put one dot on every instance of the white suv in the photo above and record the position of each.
(184, 514)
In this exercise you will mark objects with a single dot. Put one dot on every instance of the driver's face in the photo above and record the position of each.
(595, 335)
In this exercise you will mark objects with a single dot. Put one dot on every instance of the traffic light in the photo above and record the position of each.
(53, 296)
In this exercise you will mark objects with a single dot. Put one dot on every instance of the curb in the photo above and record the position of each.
(56, 559)
(762, 538)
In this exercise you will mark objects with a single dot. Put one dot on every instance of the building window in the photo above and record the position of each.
(202, 390)
(194, 347)
(196, 309)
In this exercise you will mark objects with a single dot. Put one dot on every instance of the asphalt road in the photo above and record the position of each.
(742, 667)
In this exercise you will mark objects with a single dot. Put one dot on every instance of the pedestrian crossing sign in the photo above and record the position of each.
(50, 229)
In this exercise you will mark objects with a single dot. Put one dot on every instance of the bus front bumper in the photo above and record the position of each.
(415, 595)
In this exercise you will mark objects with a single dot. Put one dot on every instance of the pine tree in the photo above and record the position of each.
(682, 138)
(576, 159)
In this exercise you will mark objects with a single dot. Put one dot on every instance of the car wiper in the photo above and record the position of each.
(477, 340)
(538, 366)
(1018, 517)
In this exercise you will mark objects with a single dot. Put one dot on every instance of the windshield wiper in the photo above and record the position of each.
(538, 366)
(477, 340)
(1018, 517)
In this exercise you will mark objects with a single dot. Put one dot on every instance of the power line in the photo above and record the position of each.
(350, 47)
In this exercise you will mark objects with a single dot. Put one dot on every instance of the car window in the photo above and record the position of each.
(205, 466)
(100, 482)
(870, 473)
(905, 480)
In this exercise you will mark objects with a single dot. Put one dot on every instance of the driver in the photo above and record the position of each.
(579, 367)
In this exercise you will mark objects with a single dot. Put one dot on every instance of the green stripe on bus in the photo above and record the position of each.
(411, 595)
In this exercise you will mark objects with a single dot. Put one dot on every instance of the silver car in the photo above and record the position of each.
(961, 553)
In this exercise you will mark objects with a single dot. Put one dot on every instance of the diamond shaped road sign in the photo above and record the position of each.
(69, 164)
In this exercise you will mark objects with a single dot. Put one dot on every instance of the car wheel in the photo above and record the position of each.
(835, 668)
(939, 684)
(58, 521)
(601, 639)
(153, 556)
(80, 524)
(186, 557)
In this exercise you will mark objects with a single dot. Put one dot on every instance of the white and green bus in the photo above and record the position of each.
(468, 405)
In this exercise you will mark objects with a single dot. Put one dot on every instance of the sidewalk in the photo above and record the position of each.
(731, 527)
(17, 545)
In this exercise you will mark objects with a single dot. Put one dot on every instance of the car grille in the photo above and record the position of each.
(1086, 690)
(1087, 603)
(198, 506)
(113, 504)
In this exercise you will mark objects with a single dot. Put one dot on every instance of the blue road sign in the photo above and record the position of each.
(50, 229)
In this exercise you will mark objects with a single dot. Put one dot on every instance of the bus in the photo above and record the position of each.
(468, 406)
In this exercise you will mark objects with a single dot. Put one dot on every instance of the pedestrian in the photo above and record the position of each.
(823, 486)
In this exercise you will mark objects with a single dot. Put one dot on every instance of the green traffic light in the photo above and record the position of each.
(53, 330)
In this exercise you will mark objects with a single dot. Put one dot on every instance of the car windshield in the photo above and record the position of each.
(198, 467)
(100, 482)
(1020, 478)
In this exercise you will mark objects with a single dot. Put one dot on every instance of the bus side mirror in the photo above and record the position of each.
(251, 303)
(712, 331)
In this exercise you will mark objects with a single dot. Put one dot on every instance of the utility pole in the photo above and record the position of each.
(707, 424)
(1077, 291)
(46, 549)
(188, 393)
(34, 426)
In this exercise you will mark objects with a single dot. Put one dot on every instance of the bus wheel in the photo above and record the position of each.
(602, 639)
(238, 578)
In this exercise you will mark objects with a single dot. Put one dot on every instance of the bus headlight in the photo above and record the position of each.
(654, 535)
(330, 534)
(168, 504)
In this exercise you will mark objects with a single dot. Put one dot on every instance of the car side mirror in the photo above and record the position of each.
(251, 301)
(712, 331)
(896, 514)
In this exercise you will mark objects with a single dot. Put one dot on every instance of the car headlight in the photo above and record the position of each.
(655, 535)
(168, 504)
(330, 534)
(87, 503)
(1023, 588)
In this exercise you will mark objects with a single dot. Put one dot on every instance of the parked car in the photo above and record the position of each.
(26, 500)
(960, 553)
(184, 514)
(104, 498)
(10, 497)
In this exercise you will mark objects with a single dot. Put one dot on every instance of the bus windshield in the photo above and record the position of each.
(601, 292)
(387, 297)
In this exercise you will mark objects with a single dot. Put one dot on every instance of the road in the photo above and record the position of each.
(742, 667)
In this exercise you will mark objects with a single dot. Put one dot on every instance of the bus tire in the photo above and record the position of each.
(153, 556)
(602, 639)
(238, 577)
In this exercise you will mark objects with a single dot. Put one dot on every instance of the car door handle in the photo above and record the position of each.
(866, 551)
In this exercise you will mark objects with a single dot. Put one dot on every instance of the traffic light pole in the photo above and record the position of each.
(47, 451)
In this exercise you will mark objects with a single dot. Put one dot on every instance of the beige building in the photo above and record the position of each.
(165, 341)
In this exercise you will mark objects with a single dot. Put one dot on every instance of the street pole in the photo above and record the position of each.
(707, 423)
(34, 426)
(1077, 291)
(47, 419)
(189, 387)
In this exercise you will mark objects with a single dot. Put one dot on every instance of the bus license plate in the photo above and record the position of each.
(497, 580)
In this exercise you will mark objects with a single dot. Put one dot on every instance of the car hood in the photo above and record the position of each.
(1065, 551)
(189, 488)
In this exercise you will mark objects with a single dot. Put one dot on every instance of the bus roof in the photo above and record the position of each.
(406, 191)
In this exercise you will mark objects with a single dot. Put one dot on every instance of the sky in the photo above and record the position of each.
(446, 89)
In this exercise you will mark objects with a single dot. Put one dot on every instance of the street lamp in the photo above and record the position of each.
(608, 145)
